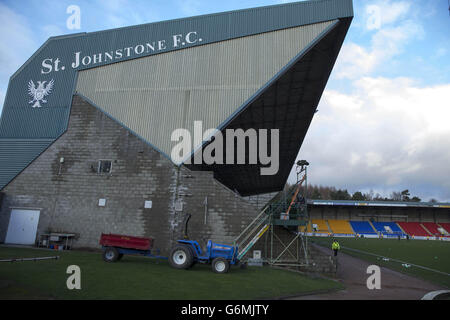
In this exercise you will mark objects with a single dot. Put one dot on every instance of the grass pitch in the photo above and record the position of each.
(142, 278)
(430, 254)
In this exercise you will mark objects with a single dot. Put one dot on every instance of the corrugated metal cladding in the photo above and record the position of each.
(209, 28)
(16, 154)
(155, 95)
(20, 121)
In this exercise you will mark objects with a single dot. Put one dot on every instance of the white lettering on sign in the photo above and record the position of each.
(91, 59)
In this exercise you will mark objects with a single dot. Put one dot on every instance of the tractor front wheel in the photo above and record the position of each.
(220, 265)
(181, 257)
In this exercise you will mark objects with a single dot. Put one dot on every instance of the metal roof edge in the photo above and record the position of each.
(85, 34)
(50, 39)
(66, 36)
(28, 61)
(281, 5)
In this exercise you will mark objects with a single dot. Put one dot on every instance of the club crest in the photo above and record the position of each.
(39, 92)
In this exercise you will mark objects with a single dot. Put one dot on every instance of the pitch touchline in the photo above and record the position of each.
(415, 265)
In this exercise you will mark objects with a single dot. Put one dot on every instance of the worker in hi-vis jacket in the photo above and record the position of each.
(335, 247)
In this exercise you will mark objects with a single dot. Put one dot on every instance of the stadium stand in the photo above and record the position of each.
(362, 227)
(413, 229)
(340, 226)
(307, 229)
(433, 228)
(387, 228)
(446, 226)
(419, 229)
(321, 226)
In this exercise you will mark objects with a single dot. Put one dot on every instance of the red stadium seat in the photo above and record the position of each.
(433, 228)
(446, 226)
(413, 229)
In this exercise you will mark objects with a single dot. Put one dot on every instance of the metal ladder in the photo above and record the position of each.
(252, 233)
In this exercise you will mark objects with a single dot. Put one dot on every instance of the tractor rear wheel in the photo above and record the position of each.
(220, 265)
(110, 254)
(181, 257)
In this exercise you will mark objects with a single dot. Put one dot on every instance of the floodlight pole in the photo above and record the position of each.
(305, 244)
(303, 164)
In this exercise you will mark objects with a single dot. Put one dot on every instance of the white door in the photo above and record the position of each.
(22, 226)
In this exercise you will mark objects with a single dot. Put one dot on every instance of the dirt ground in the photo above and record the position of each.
(352, 273)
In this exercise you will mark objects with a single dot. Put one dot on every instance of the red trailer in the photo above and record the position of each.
(116, 245)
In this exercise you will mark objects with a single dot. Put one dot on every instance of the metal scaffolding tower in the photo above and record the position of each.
(284, 245)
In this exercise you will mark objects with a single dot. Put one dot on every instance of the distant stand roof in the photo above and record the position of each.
(398, 204)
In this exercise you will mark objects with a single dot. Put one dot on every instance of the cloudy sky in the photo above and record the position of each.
(384, 119)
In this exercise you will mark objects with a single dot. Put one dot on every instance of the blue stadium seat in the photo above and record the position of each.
(386, 227)
(362, 227)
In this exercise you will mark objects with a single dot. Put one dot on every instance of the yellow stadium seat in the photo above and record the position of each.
(340, 226)
(321, 225)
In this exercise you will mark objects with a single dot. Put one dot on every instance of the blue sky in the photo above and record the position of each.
(383, 120)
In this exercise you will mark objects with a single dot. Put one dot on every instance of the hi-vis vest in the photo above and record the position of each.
(335, 246)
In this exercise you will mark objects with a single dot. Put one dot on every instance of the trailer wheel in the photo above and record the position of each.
(110, 254)
(220, 265)
(181, 257)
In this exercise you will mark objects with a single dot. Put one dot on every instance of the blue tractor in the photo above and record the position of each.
(188, 252)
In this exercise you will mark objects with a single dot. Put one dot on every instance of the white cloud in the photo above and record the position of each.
(354, 61)
(121, 13)
(394, 30)
(390, 40)
(386, 135)
(441, 52)
(373, 159)
(384, 12)
(16, 46)
(52, 31)
(17, 42)
(190, 7)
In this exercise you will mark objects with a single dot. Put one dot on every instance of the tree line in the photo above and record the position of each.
(317, 192)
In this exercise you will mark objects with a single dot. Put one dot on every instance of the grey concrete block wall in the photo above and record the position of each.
(68, 194)
(260, 200)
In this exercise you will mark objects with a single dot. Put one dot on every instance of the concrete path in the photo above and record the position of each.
(352, 274)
